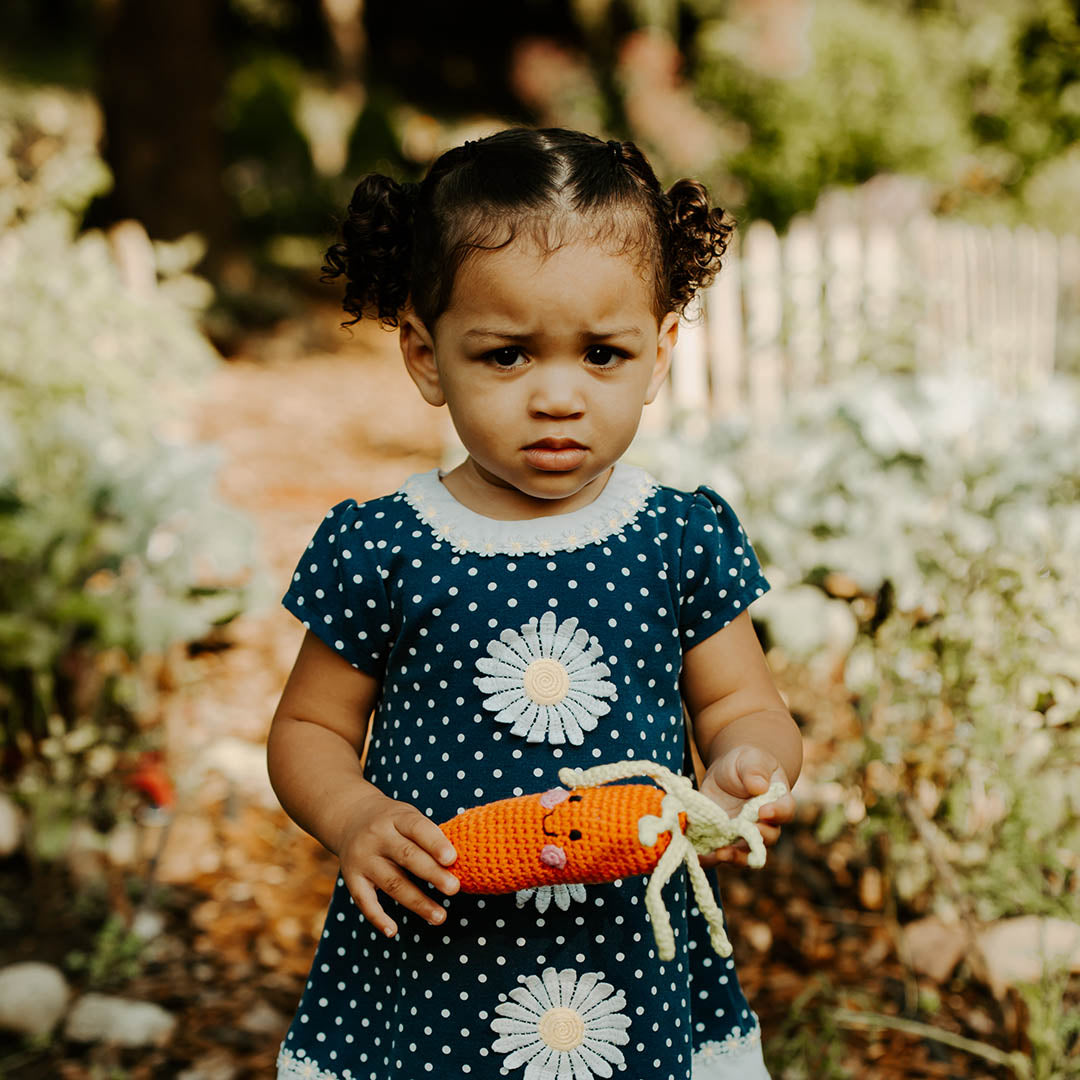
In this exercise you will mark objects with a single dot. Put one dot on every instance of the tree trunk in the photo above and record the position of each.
(162, 76)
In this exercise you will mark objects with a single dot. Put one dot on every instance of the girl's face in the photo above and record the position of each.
(545, 362)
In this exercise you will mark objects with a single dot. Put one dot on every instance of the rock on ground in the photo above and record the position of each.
(1021, 950)
(101, 1018)
(33, 997)
(934, 947)
(263, 1019)
(11, 826)
(217, 1065)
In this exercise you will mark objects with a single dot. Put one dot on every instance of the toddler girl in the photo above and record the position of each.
(541, 605)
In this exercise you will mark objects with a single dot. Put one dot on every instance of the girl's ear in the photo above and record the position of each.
(669, 334)
(418, 351)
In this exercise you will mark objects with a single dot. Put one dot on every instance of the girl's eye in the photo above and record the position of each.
(603, 356)
(507, 358)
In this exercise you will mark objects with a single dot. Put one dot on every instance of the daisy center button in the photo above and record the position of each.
(562, 1028)
(546, 681)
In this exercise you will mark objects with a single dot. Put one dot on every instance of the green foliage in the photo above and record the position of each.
(374, 143)
(260, 108)
(873, 99)
(1053, 1027)
(48, 157)
(1020, 76)
(270, 172)
(110, 531)
(956, 511)
(809, 1044)
(113, 543)
(983, 99)
(114, 960)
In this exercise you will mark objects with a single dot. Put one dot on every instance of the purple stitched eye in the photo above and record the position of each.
(553, 797)
(553, 856)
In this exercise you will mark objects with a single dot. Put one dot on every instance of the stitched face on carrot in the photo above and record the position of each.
(593, 831)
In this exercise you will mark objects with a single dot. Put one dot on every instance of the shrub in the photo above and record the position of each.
(950, 515)
(113, 544)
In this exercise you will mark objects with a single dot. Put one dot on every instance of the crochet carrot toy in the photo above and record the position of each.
(585, 833)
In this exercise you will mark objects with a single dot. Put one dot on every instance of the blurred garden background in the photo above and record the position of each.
(885, 381)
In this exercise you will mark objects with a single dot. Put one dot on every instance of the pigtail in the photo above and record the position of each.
(698, 237)
(375, 250)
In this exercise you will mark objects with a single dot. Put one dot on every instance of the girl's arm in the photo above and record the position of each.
(313, 758)
(743, 730)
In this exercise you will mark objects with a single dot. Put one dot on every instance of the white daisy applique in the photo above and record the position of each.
(562, 1026)
(563, 895)
(545, 681)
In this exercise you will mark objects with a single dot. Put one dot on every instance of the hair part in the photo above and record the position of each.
(402, 245)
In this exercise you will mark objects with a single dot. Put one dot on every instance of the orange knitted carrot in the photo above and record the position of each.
(586, 833)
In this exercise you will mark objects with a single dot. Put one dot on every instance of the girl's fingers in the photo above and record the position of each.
(779, 812)
(736, 854)
(769, 833)
(751, 770)
(733, 855)
(389, 877)
(363, 893)
(416, 856)
(427, 835)
(713, 787)
(725, 855)
(755, 768)
(743, 773)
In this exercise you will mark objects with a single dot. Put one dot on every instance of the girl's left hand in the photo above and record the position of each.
(742, 773)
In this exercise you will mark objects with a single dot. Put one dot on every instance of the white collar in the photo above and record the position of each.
(624, 496)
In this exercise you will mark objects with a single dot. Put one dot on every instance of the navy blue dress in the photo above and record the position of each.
(505, 651)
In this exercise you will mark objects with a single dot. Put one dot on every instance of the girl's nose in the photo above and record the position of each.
(556, 393)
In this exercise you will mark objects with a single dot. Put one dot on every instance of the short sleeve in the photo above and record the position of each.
(720, 575)
(338, 590)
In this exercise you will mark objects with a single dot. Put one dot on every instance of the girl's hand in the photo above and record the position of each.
(384, 838)
(740, 774)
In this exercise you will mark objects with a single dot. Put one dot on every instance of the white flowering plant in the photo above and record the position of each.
(922, 534)
(114, 546)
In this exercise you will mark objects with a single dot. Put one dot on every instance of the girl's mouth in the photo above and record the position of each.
(555, 455)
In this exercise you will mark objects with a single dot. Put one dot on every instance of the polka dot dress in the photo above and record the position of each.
(505, 651)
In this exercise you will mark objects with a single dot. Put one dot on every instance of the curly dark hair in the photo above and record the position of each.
(402, 244)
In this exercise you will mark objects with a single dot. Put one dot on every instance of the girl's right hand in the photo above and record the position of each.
(381, 840)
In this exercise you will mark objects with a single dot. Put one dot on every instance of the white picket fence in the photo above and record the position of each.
(789, 312)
